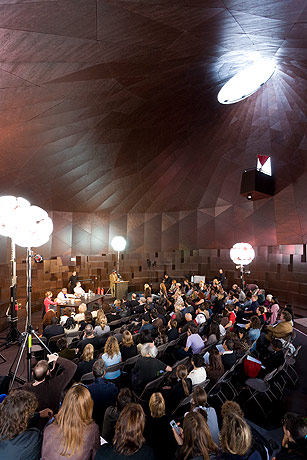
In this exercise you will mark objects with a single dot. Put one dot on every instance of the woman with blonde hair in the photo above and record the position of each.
(147, 291)
(128, 442)
(128, 348)
(73, 434)
(80, 315)
(163, 290)
(158, 433)
(86, 362)
(111, 356)
(101, 327)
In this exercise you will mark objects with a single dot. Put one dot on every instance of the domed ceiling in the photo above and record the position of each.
(110, 106)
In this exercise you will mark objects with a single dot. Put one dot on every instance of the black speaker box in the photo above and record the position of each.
(256, 185)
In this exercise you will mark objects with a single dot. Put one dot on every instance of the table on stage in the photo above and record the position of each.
(89, 301)
(121, 289)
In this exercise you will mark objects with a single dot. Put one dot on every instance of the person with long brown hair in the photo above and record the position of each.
(47, 318)
(200, 404)
(128, 442)
(215, 369)
(16, 440)
(195, 438)
(111, 356)
(180, 390)
(73, 434)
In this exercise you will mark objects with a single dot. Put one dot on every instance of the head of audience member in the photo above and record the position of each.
(143, 301)
(47, 318)
(62, 343)
(117, 303)
(162, 331)
(111, 347)
(285, 316)
(149, 350)
(88, 317)
(295, 432)
(197, 361)
(173, 324)
(48, 294)
(70, 323)
(88, 331)
(16, 410)
(182, 374)
(192, 329)
(101, 319)
(128, 438)
(254, 298)
(67, 312)
(255, 322)
(99, 368)
(199, 399)
(40, 371)
(127, 339)
(88, 353)
(215, 360)
(54, 320)
(188, 317)
(73, 417)
(124, 397)
(235, 435)
(228, 345)
(82, 308)
(276, 344)
(197, 440)
(145, 336)
(215, 330)
(157, 405)
(133, 296)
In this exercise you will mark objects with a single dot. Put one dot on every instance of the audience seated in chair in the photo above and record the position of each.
(198, 374)
(195, 440)
(112, 413)
(111, 356)
(73, 434)
(103, 392)
(85, 365)
(147, 367)
(50, 379)
(128, 442)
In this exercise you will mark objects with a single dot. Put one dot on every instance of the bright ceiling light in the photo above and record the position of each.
(118, 243)
(33, 227)
(8, 206)
(246, 82)
(242, 253)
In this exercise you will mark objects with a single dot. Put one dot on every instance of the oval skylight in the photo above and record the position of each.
(246, 82)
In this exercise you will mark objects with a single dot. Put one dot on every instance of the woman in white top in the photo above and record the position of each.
(198, 374)
(101, 327)
(78, 290)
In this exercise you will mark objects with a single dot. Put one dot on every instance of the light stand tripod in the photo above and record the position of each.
(13, 334)
(29, 332)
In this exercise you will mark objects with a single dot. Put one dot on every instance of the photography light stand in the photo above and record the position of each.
(29, 331)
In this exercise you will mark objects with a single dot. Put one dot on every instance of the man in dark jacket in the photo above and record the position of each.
(103, 392)
(54, 329)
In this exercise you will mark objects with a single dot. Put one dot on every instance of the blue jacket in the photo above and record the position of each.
(104, 394)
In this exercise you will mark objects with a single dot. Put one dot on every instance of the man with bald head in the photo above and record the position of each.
(50, 379)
